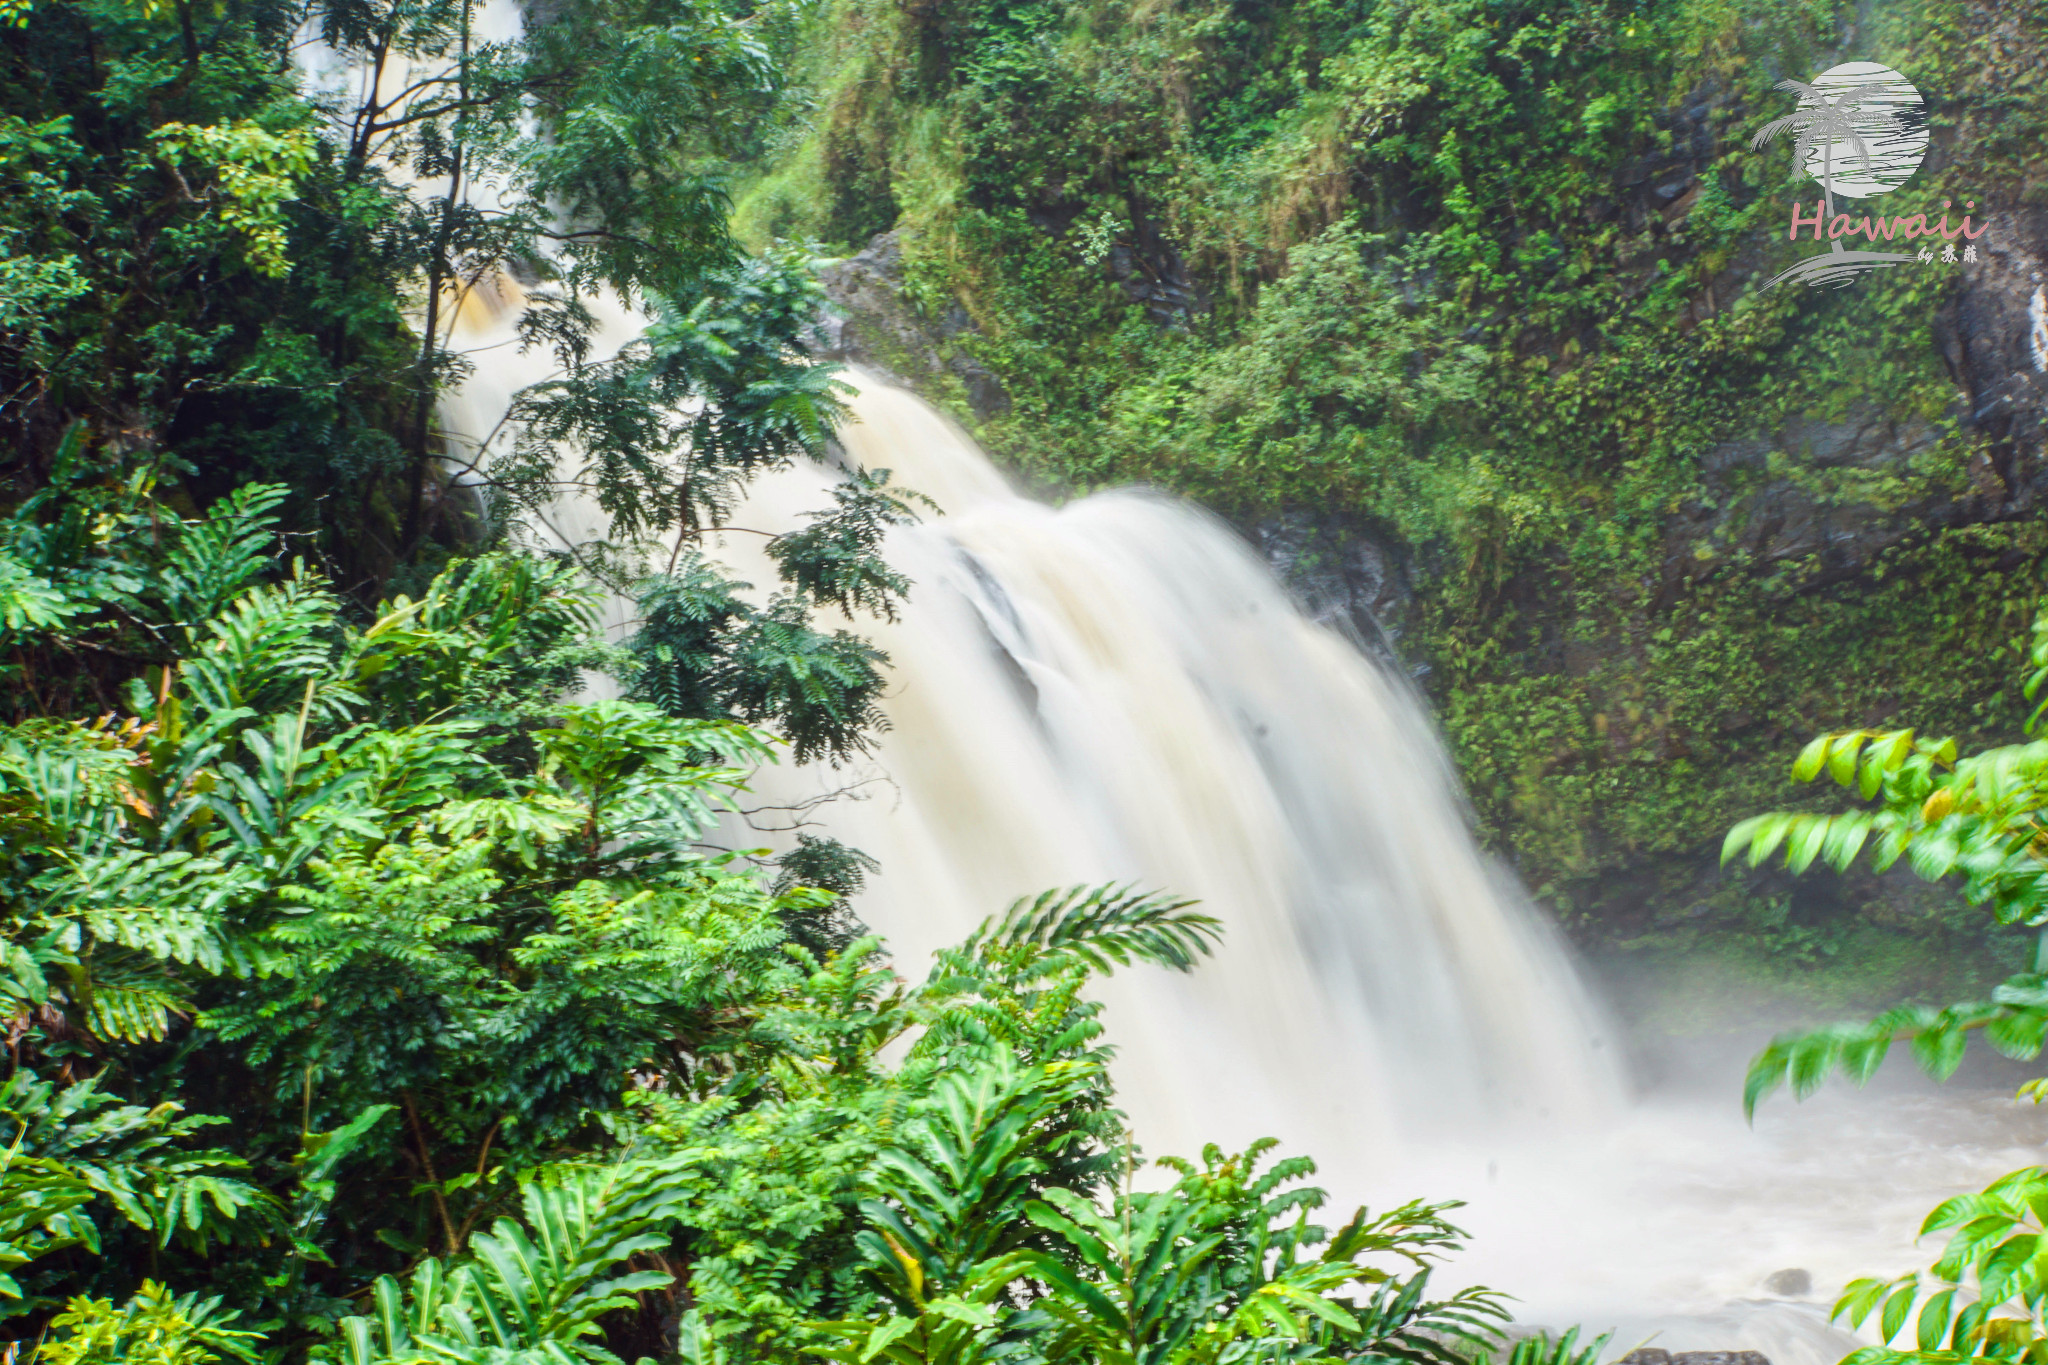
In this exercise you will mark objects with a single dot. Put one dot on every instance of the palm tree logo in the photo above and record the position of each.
(1861, 130)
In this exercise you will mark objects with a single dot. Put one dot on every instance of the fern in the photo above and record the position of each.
(41, 1207)
(137, 1161)
(953, 1188)
(213, 560)
(1101, 928)
(1222, 1267)
(534, 1288)
(30, 602)
(1543, 1349)
(273, 648)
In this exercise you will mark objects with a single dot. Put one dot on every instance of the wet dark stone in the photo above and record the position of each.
(873, 325)
(1650, 1355)
(1791, 1284)
(1343, 573)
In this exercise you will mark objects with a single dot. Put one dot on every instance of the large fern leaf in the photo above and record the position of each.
(532, 1289)
(1104, 927)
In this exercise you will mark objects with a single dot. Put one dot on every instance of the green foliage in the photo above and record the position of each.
(704, 650)
(152, 1328)
(713, 390)
(1990, 1264)
(363, 905)
(513, 1043)
(1971, 815)
(1217, 1267)
(837, 558)
(1100, 929)
(302, 822)
(137, 1160)
(1544, 1349)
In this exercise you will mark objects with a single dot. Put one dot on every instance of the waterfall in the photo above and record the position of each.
(1120, 690)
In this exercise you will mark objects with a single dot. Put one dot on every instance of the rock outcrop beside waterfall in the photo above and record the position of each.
(873, 323)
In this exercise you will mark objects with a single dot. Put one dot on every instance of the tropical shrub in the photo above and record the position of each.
(529, 1056)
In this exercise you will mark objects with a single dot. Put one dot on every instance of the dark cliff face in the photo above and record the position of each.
(1993, 338)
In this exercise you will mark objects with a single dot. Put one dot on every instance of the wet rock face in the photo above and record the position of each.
(1150, 272)
(1801, 506)
(1343, 574)
(1995, 339)
(1661, 186)
(873, 324)
(1767, 511)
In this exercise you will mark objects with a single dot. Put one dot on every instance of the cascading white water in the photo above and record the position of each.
(1119, 690)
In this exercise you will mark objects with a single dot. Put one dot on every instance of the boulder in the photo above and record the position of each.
(873, 324)
(1651, 1355)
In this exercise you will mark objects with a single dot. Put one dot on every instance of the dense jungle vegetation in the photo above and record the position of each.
(372, 994)
(376, 993)
(1473, 289)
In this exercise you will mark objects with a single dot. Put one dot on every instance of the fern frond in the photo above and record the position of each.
(261, 651)
(1105, 927)
(1543, 1349)
(214, 559)
(533, 1288)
